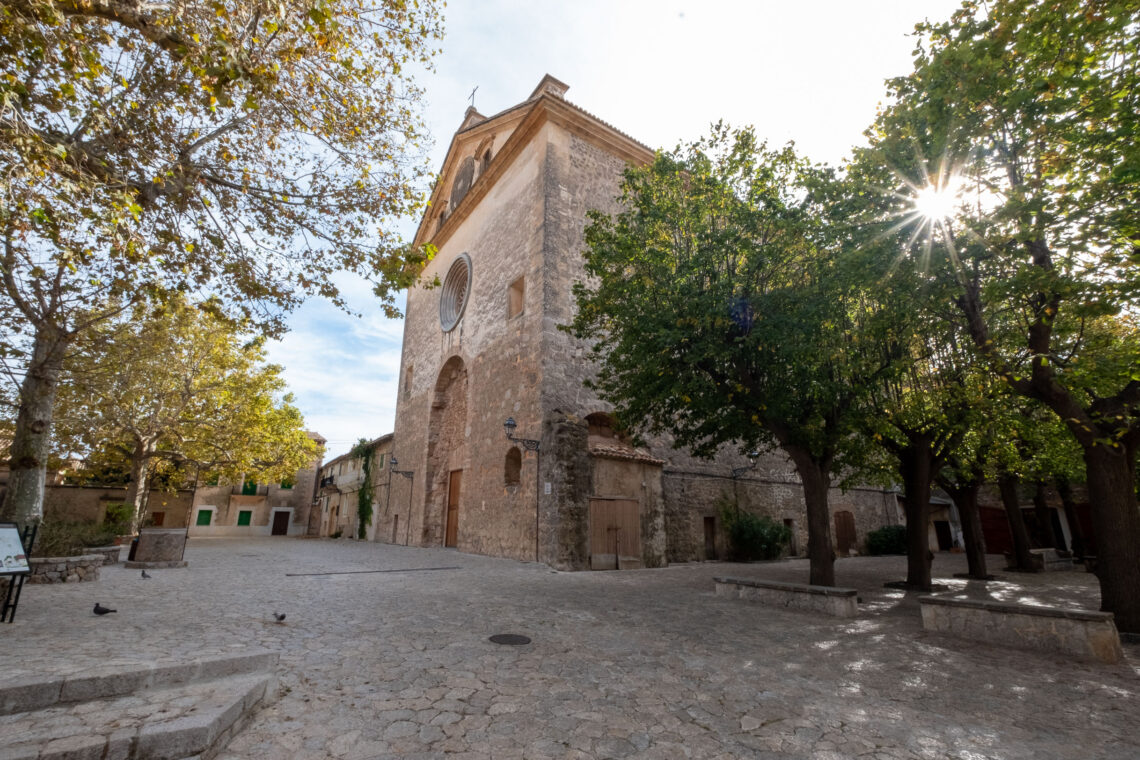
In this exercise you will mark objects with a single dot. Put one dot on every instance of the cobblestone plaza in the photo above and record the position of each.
(384, 653)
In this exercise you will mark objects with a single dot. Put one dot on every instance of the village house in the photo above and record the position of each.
(341, 480)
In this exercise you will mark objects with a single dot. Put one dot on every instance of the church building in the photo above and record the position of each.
(503, 450)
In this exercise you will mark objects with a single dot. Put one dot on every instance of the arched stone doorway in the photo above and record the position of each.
(447, 455)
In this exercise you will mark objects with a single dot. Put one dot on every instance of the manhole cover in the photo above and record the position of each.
(512, 639)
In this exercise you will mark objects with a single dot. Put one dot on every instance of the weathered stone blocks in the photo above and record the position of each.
(85, 567)
(1084, 633)
(839, 602)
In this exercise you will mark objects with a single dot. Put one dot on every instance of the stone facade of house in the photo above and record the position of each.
(256, 509)
(336, 510)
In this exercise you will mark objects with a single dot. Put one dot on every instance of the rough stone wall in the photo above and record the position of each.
(76, 569)
(692, 494)
(565, 529)
(89, 503)
(503, 237)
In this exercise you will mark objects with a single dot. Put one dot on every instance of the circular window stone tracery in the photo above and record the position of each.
(453, 297)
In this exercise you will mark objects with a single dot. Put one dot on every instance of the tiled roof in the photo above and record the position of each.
(618, 451)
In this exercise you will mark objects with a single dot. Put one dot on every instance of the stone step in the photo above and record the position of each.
(22, 693)
(189, 720)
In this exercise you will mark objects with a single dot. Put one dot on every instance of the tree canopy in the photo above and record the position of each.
(721, 315)
(179, 386)
(241, 151)
(1014, 142)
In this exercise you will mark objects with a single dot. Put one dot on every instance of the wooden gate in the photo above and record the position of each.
(451, 537)
(844, 533)
(615, 534)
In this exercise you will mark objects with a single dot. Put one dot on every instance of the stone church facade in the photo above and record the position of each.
(507, 215)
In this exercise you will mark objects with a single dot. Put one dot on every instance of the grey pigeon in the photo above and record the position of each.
(279, 617)
(101, 610)
(146, 575)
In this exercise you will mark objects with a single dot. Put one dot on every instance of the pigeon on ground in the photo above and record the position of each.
(101, 610)
(146, 575)
(279, 617)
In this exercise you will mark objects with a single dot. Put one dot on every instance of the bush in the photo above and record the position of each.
(117, 519)
(58, 538)
(752, 537)
(890, 539)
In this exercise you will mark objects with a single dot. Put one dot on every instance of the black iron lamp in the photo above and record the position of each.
(510, 426)
(753, 458)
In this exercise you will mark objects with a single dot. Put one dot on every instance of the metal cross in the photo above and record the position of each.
(471, 97)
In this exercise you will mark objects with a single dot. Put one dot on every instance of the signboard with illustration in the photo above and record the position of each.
(12, 557)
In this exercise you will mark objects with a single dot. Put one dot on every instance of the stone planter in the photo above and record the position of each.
(110, 553)
(85, 567)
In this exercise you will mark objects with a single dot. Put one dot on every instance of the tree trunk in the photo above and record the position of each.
(1007, 486)
(1044, 515)
(965, 498)
(31, 439)
(1116, 522)
(815, 476)
(916, 464)
(139, 486)
(1080, 544)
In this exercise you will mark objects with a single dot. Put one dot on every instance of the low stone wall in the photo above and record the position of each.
(1043, 560)
(1083, 633)
(110, 553)
(839, 602)
(65, 569)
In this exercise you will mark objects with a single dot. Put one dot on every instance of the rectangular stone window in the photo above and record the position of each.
(244, 516)
(249, 488)
(157, 519)
(515, 294)
(408, 381)
(204, 516)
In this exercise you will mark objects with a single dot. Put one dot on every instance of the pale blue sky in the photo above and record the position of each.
(810, 71)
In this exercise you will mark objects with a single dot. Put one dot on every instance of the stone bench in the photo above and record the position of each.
(1084, 633)
(840, 602)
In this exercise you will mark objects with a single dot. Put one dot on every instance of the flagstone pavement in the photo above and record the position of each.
(631, 664)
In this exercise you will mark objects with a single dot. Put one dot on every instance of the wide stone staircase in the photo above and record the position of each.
(156, 711)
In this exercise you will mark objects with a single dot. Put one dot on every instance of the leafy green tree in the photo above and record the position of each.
(721, 317)
(243, 149)
(1023, 115)
(920, 414)
(177, 386)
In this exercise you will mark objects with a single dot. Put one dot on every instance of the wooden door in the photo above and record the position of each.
(280, 524)
(844, 533)
(615, 534)
(451, 535)
(710, 538)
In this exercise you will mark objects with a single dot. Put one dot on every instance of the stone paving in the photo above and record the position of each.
(638, 664)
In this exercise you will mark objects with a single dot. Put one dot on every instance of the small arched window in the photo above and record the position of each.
(512, 467)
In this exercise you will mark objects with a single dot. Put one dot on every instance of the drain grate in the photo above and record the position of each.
(510, 639)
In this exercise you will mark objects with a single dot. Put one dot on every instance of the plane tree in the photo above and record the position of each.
(178, 386)
(1014, 137)
(241, 149)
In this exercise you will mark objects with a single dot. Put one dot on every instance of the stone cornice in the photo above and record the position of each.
(534, 114)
